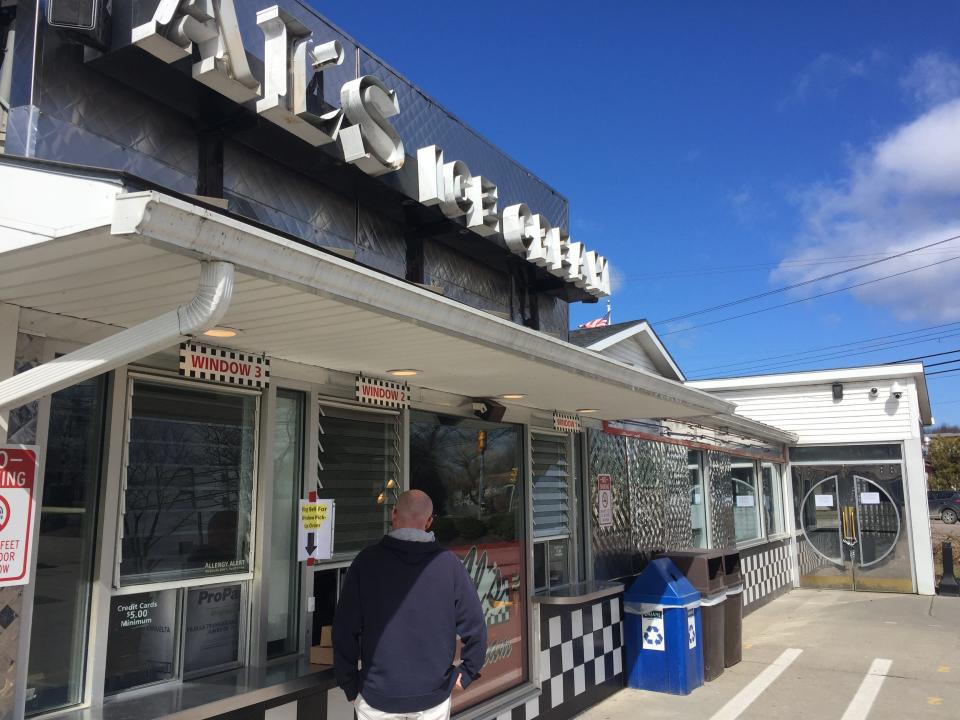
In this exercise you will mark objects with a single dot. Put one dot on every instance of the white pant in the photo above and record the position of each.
(438, 712)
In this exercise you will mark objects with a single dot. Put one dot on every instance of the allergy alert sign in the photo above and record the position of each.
(18, 475)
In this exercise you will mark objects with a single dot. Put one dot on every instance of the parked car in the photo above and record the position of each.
(944, 504)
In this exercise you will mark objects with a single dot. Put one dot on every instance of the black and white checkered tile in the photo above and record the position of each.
(765, 572)
(580, 650)
(810, 560)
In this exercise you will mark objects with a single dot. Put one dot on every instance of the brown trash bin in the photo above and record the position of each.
(733, 626)
(705, 571)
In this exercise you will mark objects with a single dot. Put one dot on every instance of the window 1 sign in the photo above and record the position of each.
(18, 474)
(604, 501)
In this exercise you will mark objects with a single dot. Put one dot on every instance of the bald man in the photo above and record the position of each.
(403, 604)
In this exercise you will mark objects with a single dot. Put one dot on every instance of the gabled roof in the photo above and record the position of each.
(639, 331)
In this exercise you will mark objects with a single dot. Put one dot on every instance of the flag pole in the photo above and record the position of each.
(609, 313)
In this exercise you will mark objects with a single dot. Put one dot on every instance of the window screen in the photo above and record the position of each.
(359, 468)
(551, 486)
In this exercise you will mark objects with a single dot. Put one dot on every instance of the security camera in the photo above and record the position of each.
(487, 409)
(874, 391)
(896, 390)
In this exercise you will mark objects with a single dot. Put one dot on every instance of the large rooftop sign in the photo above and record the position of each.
(359, 130)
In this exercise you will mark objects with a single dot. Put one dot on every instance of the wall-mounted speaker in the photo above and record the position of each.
(489, 410)
(86, 21)
(73, 14)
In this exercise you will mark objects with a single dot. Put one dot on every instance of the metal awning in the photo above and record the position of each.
(294, 302)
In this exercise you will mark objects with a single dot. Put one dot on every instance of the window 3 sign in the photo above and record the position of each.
(229, 367)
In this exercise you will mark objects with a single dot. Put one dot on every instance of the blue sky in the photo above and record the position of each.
(714, 151)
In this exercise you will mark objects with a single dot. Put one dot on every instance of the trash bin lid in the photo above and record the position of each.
(703, 568)
(661, 583)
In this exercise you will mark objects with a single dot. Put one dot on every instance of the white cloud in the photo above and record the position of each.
(901, 193)
(828, 74)
(932, 79)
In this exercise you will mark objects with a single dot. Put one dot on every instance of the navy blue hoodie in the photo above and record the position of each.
(402, 605)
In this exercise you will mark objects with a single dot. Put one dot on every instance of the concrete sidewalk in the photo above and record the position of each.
(825, 654)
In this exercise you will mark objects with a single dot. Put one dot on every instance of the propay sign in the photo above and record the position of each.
(360, 129)
(18, 475)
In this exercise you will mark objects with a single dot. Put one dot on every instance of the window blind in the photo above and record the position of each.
(551, 486)
(358, 454)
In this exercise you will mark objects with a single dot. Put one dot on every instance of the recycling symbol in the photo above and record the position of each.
(653, 636)
(692, 638)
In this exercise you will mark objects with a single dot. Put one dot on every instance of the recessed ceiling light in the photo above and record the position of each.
(513, 396)
(403, 372)
(587, 410)
(221, 332)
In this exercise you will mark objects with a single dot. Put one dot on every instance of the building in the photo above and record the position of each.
(244, 263)
(858, 480)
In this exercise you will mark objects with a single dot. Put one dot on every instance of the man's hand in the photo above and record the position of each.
(459, 685)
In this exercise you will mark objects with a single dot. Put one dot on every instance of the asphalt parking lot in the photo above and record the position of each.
(827, 654)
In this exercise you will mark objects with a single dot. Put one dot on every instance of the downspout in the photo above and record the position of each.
(206, 309)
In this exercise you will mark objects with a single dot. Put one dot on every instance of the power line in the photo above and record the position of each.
(834, 260)
(834, 356)
(945, 362)
(943, 372)
(803, 283)
(806, 299)
(859, 343)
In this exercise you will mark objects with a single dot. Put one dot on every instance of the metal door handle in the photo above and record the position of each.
(849, 526)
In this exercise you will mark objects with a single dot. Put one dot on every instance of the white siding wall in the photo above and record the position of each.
(812, 413)
(631, 352)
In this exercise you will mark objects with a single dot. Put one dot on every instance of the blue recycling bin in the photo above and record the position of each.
(662, 631)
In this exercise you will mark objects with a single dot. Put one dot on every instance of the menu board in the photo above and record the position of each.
(212, 637)
(141, 645)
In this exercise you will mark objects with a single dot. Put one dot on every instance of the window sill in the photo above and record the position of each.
(501, 703)
(209, 696)
(748, 544)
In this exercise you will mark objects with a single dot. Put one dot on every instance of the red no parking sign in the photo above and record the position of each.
(18, 476)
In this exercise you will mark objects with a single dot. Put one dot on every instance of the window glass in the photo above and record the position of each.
(845, 453)
(284, 570)
(698, 506)
(772, 498)
(8, 14)
(359, 468)
(476, 486)
(540, 566)
(212, 636)
(559, 562)
(189, 483)
(141, 643)
(551, 485)
(68, 519)
(746, 506)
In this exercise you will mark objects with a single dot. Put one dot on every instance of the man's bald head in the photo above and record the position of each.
(414, 509)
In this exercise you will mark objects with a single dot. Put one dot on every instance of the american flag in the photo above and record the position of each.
(599, 322)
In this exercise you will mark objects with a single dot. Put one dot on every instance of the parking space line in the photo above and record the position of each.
(743, 699)
(859, 707)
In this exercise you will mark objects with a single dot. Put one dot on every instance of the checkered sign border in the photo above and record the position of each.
(223, 354)
(402, 388)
